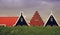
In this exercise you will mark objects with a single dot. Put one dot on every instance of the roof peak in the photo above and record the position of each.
(51, 12)
(36, 11)
(21, 13)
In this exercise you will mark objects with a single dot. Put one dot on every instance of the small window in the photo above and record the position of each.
(21, 19)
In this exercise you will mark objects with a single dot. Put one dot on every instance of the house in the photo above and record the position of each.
(36, 20)
(51, 21)
(21, 21)
(7, 21)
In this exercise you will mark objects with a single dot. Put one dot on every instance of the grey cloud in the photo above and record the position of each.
(52, 0)
(19, 3)
(11, 3)
(25, 3)
(29, 6)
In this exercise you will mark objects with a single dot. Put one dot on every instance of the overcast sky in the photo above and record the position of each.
(44, 7)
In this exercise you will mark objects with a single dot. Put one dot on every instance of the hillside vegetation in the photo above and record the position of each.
(29, 30)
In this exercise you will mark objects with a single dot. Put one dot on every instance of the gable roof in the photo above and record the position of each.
(21, 21)
(51, 21)
(36, 20)
(7, 21)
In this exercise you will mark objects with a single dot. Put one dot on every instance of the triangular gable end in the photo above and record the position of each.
(36, 20)
(21, 21)
(51, 21)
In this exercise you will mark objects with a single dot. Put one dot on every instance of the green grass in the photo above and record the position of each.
(25, 30)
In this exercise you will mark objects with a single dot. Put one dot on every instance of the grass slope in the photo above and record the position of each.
(25, 30)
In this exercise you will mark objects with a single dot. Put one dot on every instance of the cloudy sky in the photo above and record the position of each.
(44, 7)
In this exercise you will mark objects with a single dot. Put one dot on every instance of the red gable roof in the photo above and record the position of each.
(36, 20)
(8, 21)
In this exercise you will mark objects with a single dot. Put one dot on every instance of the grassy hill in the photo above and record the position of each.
(25, 30)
